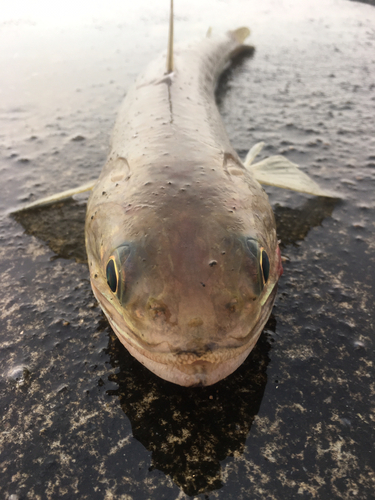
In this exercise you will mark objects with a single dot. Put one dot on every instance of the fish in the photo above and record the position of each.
(181, 239)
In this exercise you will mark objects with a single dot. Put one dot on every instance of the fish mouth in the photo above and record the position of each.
(188, 368)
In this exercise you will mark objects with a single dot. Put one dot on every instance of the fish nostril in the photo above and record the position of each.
(157, 311)
(232, 306)
(193, 323)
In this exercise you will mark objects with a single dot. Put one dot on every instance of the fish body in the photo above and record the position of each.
(180, 236)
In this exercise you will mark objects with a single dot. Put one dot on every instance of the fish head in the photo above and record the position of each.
(187, 299)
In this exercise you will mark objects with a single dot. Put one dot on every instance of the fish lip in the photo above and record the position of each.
(188, 368)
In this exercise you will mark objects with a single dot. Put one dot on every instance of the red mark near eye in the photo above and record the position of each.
(280, 266)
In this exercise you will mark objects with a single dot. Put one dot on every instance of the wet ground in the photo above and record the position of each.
(80, 417)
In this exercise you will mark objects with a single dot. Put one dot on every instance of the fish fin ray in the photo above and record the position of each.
(63, 195)
(280, 172)
(240, 34)
(253, 152)
(170, 41)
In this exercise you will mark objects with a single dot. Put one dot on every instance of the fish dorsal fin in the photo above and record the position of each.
(170, 42)
(280, 172)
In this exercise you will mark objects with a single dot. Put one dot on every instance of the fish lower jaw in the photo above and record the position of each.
(197, 373)
(187, 368)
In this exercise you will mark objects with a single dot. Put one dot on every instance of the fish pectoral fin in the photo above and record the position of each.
(240, 34)
(63, 195)
(254, 151)
(280, 172)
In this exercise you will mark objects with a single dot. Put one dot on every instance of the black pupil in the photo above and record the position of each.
(265, 266)
(111, 275)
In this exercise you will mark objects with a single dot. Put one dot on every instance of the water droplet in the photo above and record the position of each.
(19, 374)
(359, 344)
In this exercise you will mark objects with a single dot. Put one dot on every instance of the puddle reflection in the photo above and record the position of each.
(61, 226)
(190, 431)
(293, 224)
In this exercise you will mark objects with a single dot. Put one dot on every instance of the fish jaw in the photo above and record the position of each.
(194, 374)
(186, 367)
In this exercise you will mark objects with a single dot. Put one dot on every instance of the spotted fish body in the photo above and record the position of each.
(180, 237)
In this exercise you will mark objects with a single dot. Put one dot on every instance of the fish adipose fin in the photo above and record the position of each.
(280, 172)
(64, 195)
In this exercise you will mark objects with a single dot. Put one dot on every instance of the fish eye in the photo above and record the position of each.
(112, 274)
(264, 265)
(115, 270)
(262, 262)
